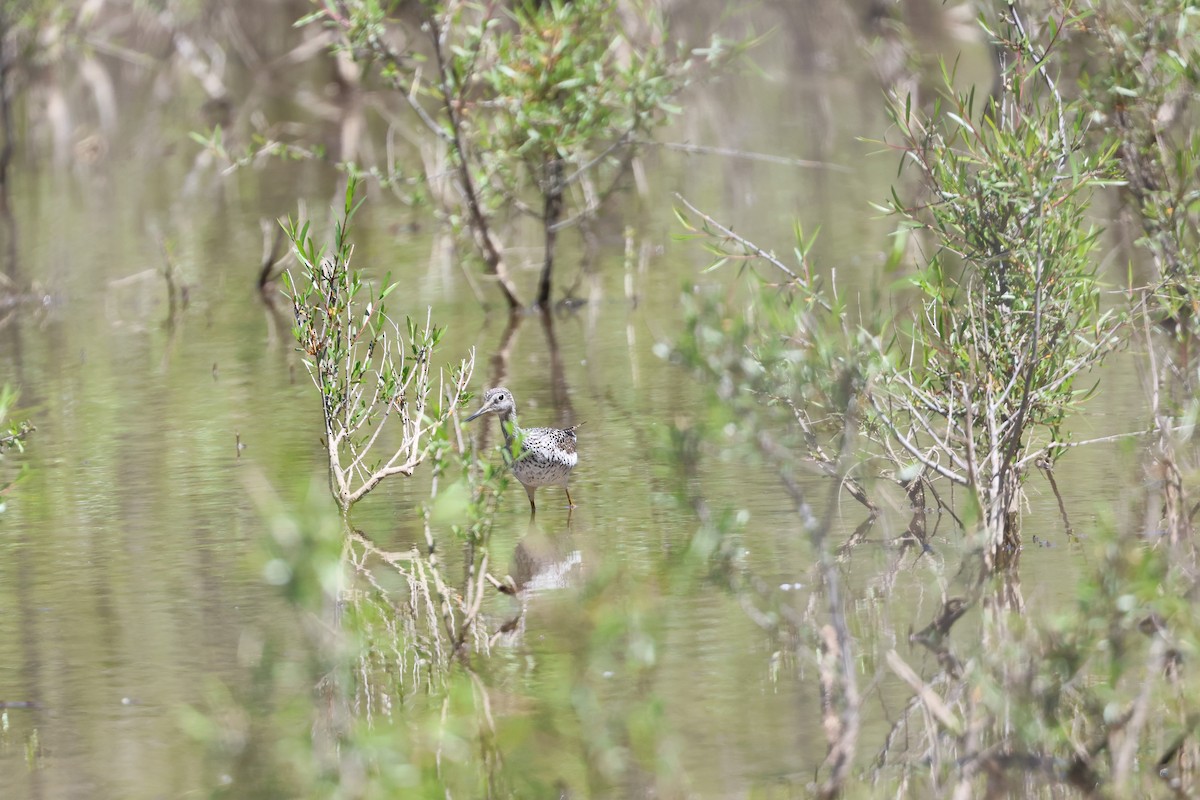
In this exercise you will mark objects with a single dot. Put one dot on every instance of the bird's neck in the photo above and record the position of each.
(508, 425)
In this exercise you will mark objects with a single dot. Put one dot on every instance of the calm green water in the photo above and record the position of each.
(130, 556)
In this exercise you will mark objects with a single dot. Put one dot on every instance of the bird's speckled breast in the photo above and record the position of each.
(547, 457)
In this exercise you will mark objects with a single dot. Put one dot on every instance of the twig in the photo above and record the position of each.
(1040, 61)
(747, 155)
(1139, 713)
(929, 698)
(9, 439)
(751, 248)
(1116, 437)
(912, 448)
(1047, 469)
(484, 238)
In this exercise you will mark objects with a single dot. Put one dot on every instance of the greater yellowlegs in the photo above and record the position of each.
(537, 456)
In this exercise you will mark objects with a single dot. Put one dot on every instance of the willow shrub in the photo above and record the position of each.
(1009, 314)
(540, 106)
(367, 371)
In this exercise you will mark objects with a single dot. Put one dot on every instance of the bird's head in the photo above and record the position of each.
(496, 401)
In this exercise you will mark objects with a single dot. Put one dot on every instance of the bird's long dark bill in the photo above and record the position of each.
(477, 414)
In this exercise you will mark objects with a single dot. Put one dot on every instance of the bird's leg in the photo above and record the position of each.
(529, 490)
(570, 502)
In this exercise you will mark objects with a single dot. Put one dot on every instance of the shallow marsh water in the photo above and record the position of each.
(130, 556)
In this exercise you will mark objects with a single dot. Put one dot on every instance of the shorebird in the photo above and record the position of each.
(536, 456)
